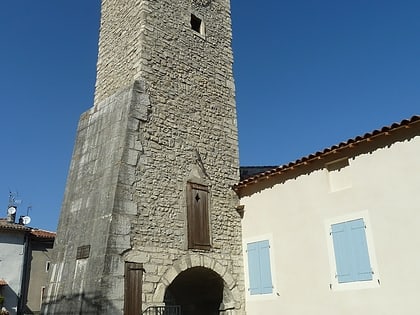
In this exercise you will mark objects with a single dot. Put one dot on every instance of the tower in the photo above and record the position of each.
(149, 219)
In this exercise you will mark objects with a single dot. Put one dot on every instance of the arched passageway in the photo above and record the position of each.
(198, 290)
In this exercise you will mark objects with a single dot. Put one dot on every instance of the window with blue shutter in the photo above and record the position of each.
(259, 268)
(351, 251)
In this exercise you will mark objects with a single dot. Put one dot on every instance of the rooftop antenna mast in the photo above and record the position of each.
(26, 219)
(12, 207)
(29, 208)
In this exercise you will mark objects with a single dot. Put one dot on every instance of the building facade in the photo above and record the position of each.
(13, 243)
(336, 232)
(149, 219)
(24, 256)
(41, 244)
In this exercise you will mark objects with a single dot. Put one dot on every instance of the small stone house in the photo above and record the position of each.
(337, 232)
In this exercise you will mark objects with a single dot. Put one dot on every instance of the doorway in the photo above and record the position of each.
(198, 291)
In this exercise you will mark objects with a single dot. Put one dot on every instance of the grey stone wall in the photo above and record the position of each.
(88, 207)
(164, 114)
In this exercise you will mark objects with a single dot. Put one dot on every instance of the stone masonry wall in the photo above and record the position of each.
(190, 133)
(87, 208)
(165, 99)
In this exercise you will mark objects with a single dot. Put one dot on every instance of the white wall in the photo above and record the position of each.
(11, 262)
(384, 185)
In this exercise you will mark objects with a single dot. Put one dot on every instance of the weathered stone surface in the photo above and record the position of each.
(164, 114)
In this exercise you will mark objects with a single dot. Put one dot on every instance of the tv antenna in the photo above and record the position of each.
(11, 210)
(24, 220)
(12, 206)
(13, 201)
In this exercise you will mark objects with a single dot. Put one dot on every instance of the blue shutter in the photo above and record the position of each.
(254, 269)
(259, 268)
(342, 253)
(266, 283)
(351, 251)
(363, 269)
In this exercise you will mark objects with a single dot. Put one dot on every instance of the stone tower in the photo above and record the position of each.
(149, 218)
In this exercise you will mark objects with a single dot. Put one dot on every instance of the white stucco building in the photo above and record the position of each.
(13, 246)
(24, 266)
(338, 231)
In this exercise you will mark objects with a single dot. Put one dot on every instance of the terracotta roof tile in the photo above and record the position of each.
(43, 234)
(321, 154)
(5, 225)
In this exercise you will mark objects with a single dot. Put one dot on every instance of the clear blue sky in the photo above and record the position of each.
(309, 74)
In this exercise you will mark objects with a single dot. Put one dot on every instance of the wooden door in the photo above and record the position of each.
(133, 288)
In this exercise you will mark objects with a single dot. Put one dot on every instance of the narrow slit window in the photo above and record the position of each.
(197, 24)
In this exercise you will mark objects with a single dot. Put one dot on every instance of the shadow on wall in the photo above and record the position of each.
(84, 303)
(10, 299)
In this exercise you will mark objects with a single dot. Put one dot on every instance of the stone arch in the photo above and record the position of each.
(231, 295)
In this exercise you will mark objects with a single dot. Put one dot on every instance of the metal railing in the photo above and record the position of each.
(163, 310)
